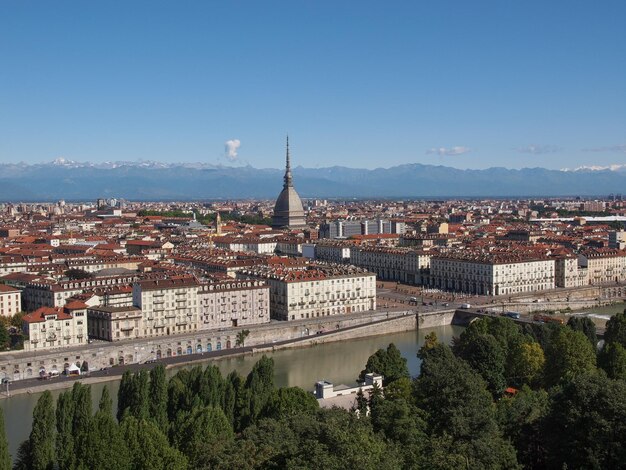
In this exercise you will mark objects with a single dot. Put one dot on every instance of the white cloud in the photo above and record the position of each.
(231, 147)
(611, 148)
(536, 149)
(447, 151)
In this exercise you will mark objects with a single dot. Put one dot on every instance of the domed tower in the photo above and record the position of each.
(288, 211)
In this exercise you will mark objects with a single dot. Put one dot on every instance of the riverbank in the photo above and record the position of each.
(398, 322)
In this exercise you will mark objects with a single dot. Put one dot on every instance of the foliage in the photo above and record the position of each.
(42, 434)
(444, 418)
(527, 361)
(210, 218)
(5, 457)
(389, 363)
(4, 337)
(75, 274)
(148, 447)
(158, 397)
(259, 388)
(290, 401)
(241, 338)
(520, 418)
(569, 354)
(616, 329)
(485, 355)
(459, 414)
(612, 359)
(586, 326)
(586, 425)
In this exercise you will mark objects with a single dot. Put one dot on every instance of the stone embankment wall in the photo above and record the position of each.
(408, 322)
(19, 365)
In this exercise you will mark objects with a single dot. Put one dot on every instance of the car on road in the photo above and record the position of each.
(466, 306)
(514, 315)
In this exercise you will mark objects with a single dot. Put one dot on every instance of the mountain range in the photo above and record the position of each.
(147, 180)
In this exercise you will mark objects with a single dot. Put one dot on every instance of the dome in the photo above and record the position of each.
(288, 211)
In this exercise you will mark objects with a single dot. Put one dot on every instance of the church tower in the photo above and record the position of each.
(218, 224)
(288, 211)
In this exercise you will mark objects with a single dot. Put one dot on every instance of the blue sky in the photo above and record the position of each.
(469, 84)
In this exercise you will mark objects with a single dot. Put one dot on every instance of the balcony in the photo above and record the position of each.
(127, 328)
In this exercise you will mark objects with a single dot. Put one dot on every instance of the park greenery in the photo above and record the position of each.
(11, 334)
(502, 396)
(209, 219)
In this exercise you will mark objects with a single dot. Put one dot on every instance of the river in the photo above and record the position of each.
(338, 362)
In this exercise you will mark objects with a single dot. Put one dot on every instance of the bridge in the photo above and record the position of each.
(464, 317)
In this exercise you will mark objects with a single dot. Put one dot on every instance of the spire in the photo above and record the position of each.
(288, 178)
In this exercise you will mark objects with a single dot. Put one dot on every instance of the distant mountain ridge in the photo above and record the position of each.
(148, 180)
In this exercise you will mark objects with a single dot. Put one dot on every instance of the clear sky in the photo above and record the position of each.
(469, 84)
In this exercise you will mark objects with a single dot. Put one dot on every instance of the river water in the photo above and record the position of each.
(338, 362)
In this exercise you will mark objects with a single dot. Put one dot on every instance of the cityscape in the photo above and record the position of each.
(327, 246)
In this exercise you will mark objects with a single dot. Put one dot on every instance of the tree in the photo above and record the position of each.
(124, 394)
(569, 354)
(81, 402)
(586, 326)
(586, 425)
(527, 362)
(259, 387)
(460, 412)
(75, 274)
(4, 337)
(389, 363)
(106, 449)
(361, 404)
(158, 397)
(105, 405)
(520, 418)
(616, 329)
(612, 359)
(241, 338)
(133, 395)
(484, 353)
(65, 438)
(23, 460)
(148, 448)
(203, 425)
(5, 457)
(288, 401)
(330, 438)
(42, 434)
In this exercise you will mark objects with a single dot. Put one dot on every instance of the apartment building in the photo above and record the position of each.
(55, 294)
(10, 301)
(169, 306)
(251, 244)
(492, 274)
(603, 265)
(567, 273)
(404, 265)
(333, 251)
(115, 323)
(233, 303)
(316, 290)
(55, 327)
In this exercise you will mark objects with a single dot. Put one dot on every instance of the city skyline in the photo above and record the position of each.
(530, 85)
